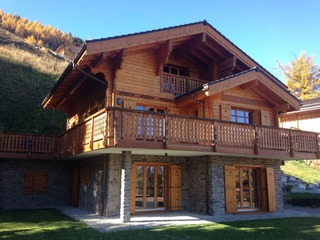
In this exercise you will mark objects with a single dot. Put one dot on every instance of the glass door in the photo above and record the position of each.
(247, 189)
(150, 188)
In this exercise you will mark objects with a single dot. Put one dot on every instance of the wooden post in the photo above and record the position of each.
(92, 134)
(257, 138)
(292, 150)
(115, 127)
(215, 137)
(318, 145)
(166, 131)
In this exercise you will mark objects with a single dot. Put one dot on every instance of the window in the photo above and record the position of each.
(241, 116)
(175, 80)
(180, 71)
(35, 182)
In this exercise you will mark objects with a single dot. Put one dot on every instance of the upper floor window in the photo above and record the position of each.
(241, 116)
(180, 71)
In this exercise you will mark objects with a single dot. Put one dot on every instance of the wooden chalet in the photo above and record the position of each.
(170, 119)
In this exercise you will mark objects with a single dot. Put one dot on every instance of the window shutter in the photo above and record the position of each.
(230, 189)
(175, 187)
(133, 188)
(256, 115)
(265, 119)
(28, 182)
(225, 113)
(41, 182)
(271, 189)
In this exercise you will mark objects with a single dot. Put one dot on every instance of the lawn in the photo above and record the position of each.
(301, 170)
(51, 224)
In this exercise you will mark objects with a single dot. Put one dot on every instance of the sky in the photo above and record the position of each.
(267, 30)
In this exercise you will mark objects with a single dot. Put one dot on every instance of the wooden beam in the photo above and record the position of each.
(242, 100)
(191, 45)
(250, 85)
(163, 54)
(117, 60)
(227, 65)
(282, 108)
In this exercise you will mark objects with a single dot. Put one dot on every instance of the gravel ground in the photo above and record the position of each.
(104, 224)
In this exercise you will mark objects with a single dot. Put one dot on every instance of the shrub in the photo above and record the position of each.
(304, 199)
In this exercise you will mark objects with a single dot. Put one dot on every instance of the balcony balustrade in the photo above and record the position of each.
(126, 128)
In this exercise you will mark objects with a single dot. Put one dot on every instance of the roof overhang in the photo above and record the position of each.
(256, 80)
(198, 42)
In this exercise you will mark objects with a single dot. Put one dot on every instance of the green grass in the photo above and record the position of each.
(301, 170)
(51, 224)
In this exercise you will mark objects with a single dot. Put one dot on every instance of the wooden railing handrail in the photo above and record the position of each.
(187, 78)
(112, 126)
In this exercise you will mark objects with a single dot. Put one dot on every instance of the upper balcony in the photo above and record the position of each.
(113, 130)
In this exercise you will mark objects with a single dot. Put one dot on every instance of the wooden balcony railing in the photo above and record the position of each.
(21, 145)
(178, 84)
(116, 127)
(126, 128)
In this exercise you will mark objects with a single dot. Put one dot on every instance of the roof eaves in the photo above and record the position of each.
(65, 73)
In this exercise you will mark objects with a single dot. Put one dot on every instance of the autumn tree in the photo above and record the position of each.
(302, 76)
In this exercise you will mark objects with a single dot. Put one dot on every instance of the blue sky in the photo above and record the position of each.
(267, 30)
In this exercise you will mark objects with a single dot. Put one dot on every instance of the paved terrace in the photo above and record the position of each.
(145, 221)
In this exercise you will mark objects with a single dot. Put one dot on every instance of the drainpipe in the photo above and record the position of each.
(88, 75)
(202, 103)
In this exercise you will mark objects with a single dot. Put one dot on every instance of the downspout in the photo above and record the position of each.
(202, 103)
(88, 75)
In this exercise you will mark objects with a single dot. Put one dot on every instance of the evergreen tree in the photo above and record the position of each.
(302, 76)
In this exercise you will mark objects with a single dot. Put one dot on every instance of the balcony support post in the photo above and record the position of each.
(318, 146)
(166, 132)
(292, 150)
(256, 141)
(215, 137)
(125, 187)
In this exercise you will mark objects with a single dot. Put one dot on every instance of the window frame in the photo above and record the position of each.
(247, 115)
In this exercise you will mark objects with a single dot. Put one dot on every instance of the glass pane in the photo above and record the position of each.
(139, 108)
(150, 187)
(240, 113)
(139, 186)
(160, 186)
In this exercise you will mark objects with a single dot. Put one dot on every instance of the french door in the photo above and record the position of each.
(150, 187)
(247, 189)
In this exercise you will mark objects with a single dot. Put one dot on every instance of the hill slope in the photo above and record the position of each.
(26, 75)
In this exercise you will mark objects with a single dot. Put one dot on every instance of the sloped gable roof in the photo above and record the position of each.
(189, 36)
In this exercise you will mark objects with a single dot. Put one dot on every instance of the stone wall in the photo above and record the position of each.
(12, 177)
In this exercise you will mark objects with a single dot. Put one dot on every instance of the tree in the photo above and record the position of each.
(302, 77)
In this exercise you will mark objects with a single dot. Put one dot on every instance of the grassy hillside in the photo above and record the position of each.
(302, 170)
(26, 76)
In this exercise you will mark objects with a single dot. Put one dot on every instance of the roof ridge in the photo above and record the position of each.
(204, 22)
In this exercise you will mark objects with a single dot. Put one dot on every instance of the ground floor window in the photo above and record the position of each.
(249, 188)
(154, 187)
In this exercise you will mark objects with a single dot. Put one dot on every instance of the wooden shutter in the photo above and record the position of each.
(129, 104)
(133, 188)
(40, 182)
(265, 119)
(225, 112)
(230, 189)
(28, 182)
(175, 187)
(262, 188)
(256, 115)
(271, 189)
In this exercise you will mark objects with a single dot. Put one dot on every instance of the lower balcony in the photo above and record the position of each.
(114, 130)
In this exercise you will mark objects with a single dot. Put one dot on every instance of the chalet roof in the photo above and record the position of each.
(256, 80)
(198, 42)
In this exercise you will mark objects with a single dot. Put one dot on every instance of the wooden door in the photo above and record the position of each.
(230, 189)
(75, 187)
(175, 187)
(271, 190)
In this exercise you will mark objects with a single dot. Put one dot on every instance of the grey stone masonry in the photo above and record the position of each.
(125, 187)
